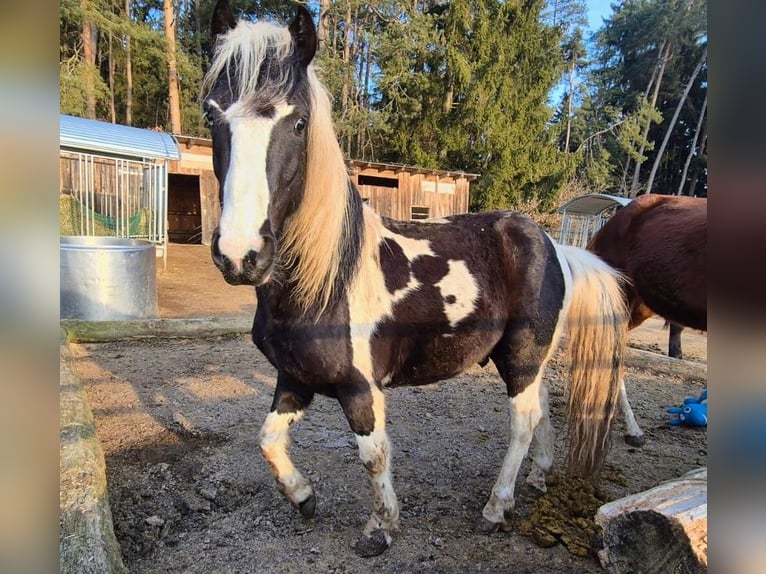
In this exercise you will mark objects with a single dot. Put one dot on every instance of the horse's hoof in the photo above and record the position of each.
(308, 507)
(536, 479)
(484, 526)
(373, 545)
(635, 440)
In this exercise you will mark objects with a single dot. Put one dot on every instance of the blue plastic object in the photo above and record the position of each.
(693, 413)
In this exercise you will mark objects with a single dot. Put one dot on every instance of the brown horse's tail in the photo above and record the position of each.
(597, 325)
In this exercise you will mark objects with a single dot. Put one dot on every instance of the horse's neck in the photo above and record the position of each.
(361, 234)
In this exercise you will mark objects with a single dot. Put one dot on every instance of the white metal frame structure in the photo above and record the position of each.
(585, 215)
(117, 177)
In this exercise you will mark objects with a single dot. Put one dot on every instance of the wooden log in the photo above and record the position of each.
(87, 544)
(104, 331)
(664, 366)
(663, 529)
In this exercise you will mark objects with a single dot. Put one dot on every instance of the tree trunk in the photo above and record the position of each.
(626, 167)
(112, 111)
(174, 100)
(569, 102)
(693, 147)
(673, 120)
(128, 73)
(346, 89)
(696, 171)
(661, 63)
(89, 37)
(324, 26)
(659, 530)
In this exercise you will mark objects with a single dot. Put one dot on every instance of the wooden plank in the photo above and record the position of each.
(210, 205)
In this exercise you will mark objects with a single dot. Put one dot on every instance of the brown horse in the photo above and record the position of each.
(659, 242)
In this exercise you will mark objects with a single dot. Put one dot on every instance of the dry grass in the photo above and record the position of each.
(551, 222)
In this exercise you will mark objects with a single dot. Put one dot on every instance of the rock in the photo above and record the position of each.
(208, 492)
(154, 520)
(185, 424)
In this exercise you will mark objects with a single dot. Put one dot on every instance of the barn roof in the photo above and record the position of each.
(94, 136)
(361, 164)
(593, 203)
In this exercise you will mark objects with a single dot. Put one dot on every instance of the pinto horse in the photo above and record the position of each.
(350, 303)
(659, 243)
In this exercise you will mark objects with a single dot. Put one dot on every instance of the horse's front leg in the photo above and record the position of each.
(290, 401)
(364, 406)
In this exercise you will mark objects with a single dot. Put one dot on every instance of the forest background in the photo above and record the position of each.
(519, 91)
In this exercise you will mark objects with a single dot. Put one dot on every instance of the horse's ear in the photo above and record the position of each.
(304, 35)
(222, 20)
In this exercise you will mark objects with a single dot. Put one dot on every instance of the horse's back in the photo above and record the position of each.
(660, 243)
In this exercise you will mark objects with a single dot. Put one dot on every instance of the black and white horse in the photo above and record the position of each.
(350, 303)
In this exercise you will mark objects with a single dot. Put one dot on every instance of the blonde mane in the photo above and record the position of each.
(312, 245)
(247, 45)
(313, 239)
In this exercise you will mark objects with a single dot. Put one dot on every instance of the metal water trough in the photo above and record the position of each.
(107, 278)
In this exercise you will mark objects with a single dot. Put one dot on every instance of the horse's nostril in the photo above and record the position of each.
(215, 250)
(251, 257)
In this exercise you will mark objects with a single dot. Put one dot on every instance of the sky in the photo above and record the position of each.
(597, 11)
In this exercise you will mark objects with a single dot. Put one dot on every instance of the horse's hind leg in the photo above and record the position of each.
(364, 406)
(521, 366)
(674, 341)
(289, 404)
(542, 444)
(634, 436)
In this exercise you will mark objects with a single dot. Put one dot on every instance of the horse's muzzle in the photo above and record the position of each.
(254, 268)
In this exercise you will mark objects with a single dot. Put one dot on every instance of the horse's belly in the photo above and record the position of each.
(438, 359)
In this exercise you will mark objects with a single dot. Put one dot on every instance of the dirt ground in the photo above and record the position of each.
(190, 492)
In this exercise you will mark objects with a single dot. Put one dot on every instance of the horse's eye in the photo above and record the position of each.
(300, 125)
(210, 110)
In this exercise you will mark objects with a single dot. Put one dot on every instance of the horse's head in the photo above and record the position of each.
(258, 103)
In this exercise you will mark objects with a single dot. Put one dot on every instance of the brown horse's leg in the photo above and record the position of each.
(674, 341)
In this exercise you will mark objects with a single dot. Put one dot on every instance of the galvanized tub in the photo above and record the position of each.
(108, 278)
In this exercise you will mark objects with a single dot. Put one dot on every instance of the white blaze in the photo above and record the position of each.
(246, 189)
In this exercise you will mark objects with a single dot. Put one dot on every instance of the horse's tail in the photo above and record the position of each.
(597, 325)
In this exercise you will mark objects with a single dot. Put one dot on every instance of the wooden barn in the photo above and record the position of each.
(407, 192)
(393, 190)
(194, 206)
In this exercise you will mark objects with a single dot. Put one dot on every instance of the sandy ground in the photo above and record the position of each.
(189, 491)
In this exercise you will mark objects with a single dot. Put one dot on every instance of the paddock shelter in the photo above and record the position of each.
(584, 215)
(408, 192)
(394, 190)
(114, 180)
